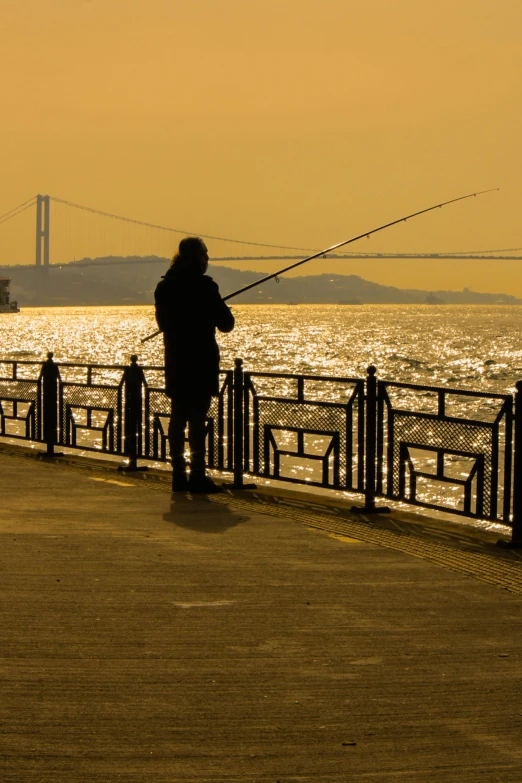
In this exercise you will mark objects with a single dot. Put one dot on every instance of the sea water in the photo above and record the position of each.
(477, 347)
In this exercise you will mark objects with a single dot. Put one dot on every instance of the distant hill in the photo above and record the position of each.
(114, 281)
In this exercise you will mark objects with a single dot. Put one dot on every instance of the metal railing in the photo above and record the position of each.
(446, 449)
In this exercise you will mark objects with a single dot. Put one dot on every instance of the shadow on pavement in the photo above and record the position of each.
(201, 515)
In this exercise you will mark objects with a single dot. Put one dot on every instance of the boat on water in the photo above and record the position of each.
(6, 306)
(431, 299)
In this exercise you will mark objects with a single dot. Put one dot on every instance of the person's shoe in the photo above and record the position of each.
(203, 484)
(180, 482)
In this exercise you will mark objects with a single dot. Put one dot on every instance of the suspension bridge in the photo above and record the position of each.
(144, 248)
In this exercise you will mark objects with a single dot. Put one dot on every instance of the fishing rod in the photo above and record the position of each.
(340, 244)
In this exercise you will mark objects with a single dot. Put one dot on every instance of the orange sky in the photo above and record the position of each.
(299, 122)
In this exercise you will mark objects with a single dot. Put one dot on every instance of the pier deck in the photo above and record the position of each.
(151, 638)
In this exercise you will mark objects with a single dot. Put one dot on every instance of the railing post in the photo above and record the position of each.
(50, 382)
(371, 439)
(370, 451)
(239, 424)
(516, 533)
(133, 414)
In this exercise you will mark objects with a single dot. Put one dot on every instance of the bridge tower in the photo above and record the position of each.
(43, 209)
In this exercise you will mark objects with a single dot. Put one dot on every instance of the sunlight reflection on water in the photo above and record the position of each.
(477, 347)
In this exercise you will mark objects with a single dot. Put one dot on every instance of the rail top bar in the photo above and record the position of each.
(445, 389)
(22, 361)
(93, 366)
(66, 364)
(304, 377)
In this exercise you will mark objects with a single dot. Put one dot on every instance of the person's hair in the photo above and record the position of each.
(188, 254)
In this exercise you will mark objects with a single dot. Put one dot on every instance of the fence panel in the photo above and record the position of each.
(446, 449)
(91, 407)
(20, 400)
(305, 429)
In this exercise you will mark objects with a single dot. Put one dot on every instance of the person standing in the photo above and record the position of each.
(189, 309)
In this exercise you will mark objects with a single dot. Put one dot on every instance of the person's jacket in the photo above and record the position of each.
(189, 308)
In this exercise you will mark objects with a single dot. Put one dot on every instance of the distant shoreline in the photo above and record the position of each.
(281, 304)
(74, 285)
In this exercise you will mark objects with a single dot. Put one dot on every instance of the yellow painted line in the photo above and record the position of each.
(345, 539)
(338, 536)
(199, 604)
(112, 481)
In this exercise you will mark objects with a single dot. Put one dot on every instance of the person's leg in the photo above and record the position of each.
(176, 437)
(197, 422)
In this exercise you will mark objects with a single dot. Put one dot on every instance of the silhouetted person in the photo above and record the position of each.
(189, 308)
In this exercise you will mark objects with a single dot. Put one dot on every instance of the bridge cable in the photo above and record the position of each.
(173, 230)
(17, 210)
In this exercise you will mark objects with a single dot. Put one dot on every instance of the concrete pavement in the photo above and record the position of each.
(148, 638)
